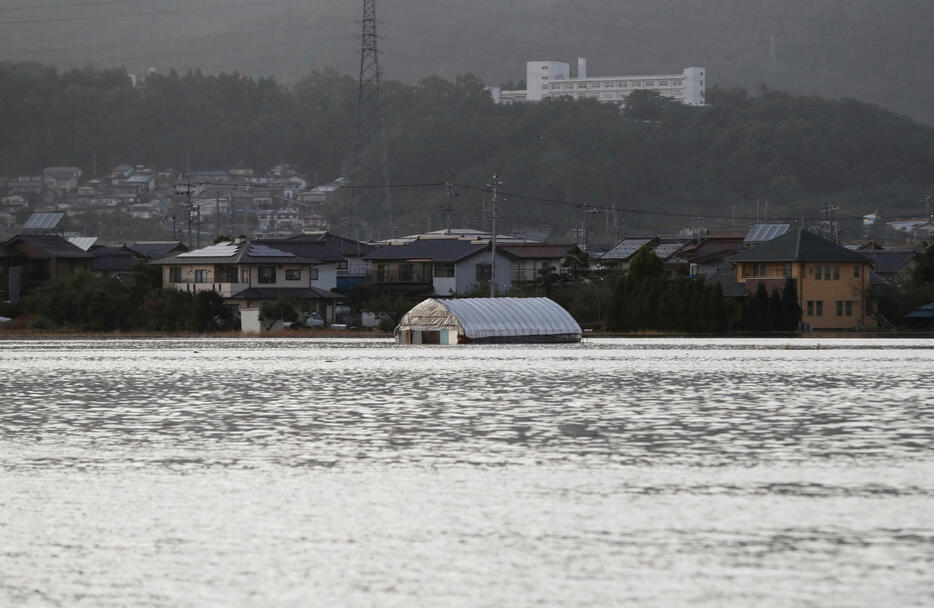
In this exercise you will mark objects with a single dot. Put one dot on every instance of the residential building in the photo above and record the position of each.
(246, 273)
(551, 79)
(832, 281)
(61, 179)
(34, 260)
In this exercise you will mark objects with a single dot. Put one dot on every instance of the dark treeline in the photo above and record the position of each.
(646, 299)
(89, 303)
(795, 151)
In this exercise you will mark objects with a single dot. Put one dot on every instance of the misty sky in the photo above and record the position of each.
(873, 50)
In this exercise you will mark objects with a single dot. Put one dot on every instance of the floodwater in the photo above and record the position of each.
(358, 473)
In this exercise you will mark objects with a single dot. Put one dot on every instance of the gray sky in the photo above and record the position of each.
(873, 50)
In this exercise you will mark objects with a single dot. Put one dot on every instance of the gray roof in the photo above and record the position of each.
(299, 293)
(761, 233)
(52, 244)
(728, 283)
(436, 250)
(156, 249)
(318, 250)
(889, 261)
(245, 252)
(799, 246)
(924, 312)
(344, 246)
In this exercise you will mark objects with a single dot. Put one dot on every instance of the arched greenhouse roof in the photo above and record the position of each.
(499, 317)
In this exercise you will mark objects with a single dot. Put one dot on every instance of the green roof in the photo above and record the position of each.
(799, 246)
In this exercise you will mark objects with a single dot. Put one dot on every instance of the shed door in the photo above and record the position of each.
(444, 337)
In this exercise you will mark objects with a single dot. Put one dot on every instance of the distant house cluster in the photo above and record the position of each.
(277, 203)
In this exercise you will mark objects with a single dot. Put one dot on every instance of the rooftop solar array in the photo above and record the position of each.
(264, 251)
(626, 249)
(43, 221)
(218, 250)
(760, 233)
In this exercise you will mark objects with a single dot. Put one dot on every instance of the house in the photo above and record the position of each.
(890, 266)
(114, 262)
(61, 179)
(832, 281)
(620, 255)
(438, 267)
(246, 273)
(531, 261)
(487, 321)
(707, 256)
(351, 267)
(34, 260)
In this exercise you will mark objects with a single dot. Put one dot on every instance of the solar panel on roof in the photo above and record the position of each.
(264, 251)
(43, 221)
(218, 250)
(761, 233)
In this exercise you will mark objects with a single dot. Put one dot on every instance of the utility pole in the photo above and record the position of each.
(495, 183)
(448, 212)
(187, 193)
(831, 225)
(369, 118)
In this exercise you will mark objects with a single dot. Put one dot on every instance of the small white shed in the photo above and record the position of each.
(487, 321)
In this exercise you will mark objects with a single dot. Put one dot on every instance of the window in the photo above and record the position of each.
(786, 270)
(819, 306)
(406, 272)
(856, 271)
(244, 275)
(293, 274)
(175, 274)
(267, 274)
(849, 308)
(839, 308)
(484, 272)
(817, 270)
(754, 270)
(836, 273)
(826, 273)
(382, 273)
(444, 271)
(201, 276)
(225, 274)
(312, 273)
(810, 308)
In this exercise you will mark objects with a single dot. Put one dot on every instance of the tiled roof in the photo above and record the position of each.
(728, 283)
(436, 250)
(799, 246)
(340, 244)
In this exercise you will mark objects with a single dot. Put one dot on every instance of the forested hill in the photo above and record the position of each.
(800, 153)
(878, 51)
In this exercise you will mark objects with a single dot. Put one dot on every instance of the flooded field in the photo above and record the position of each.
(651, 472)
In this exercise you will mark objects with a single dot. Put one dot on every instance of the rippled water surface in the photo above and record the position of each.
(359, 473)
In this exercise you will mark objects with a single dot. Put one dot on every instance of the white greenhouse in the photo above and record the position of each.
(487, 321)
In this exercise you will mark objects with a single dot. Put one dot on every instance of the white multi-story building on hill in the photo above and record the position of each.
(548, 79)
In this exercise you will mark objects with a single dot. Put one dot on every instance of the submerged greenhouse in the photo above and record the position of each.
(487, 321)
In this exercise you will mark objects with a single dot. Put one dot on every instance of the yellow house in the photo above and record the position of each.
(832, 281)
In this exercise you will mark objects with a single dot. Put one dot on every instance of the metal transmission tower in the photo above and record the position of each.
(369, 125)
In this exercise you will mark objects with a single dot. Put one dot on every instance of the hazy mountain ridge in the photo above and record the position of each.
(875, 51)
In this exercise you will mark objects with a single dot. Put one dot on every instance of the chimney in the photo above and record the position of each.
(582, 67)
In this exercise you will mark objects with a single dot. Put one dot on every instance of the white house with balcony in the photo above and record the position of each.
(246, 273)
(552, 79)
